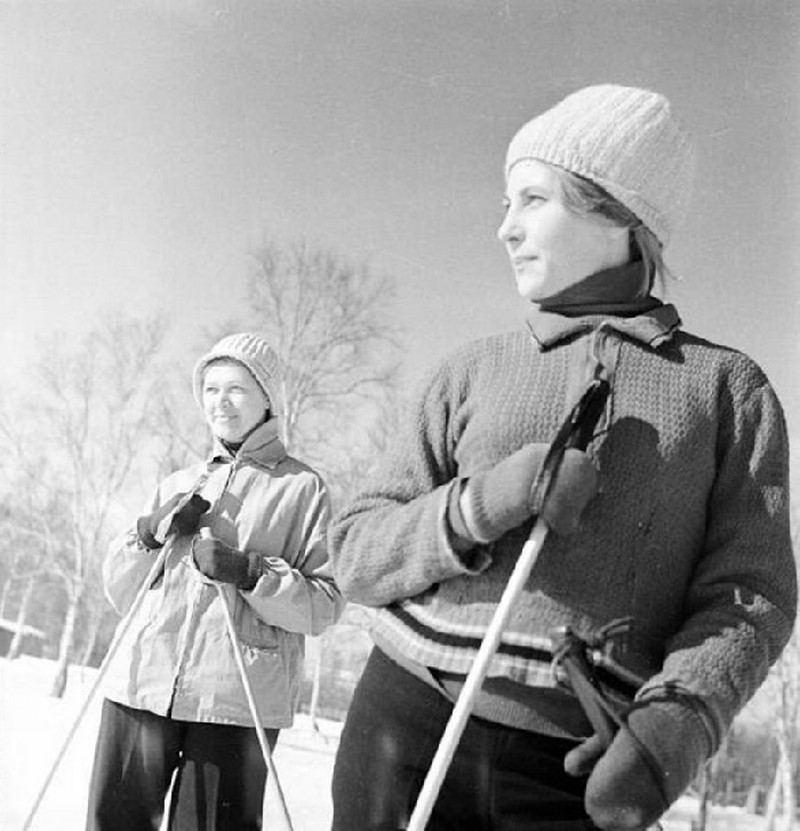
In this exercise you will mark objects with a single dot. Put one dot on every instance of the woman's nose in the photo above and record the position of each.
(509, 231)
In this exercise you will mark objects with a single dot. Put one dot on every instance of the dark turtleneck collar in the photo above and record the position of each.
(231, 446)
(613, 297)
(614, 291)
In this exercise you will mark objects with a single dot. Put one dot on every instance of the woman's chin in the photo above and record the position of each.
(229, 436)
(531, 295)
(530, 289)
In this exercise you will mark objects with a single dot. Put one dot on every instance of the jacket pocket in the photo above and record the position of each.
(251, 630)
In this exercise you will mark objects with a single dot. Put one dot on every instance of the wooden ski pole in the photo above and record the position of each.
(251, 703)
(575, 432)
(463, 706)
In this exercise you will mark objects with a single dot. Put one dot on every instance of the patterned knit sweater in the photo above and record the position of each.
(689, 533)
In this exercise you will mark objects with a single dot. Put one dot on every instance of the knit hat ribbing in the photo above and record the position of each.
(626, 140)
(252, 352)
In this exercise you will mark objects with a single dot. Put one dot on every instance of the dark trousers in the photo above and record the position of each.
(500, 779)
(219, 774)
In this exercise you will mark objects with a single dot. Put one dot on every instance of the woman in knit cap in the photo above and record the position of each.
(675, 520)
(253, 520)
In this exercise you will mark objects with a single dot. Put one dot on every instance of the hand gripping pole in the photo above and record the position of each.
(576, 431)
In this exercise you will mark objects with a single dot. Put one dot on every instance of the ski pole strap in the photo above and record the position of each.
(577, 673)
(576, 431)
(575, 661)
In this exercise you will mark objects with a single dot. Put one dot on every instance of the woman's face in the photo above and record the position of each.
(233, 402)
(551, 247)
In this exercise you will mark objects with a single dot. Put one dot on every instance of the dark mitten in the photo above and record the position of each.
(224, 564)
(501, 498)
(647, 767)
(184, 522)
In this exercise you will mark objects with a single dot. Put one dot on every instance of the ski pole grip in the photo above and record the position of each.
(587, 414)
(576, 432)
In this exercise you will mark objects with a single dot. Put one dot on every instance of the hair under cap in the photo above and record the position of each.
(252, 352)
(625, 139)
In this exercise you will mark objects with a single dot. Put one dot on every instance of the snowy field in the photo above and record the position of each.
(33, 727)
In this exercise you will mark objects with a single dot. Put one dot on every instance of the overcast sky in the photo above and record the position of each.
(143, 152)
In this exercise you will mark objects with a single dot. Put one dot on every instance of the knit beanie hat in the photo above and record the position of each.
(626, 140)
(252, 352)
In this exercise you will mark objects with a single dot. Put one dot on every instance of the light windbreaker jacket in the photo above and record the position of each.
(176, 659)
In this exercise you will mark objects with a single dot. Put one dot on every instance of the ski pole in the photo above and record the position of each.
(251, 703)
(576, 431)
(122, 630)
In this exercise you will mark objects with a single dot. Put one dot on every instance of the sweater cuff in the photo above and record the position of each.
(462, 539)
(474, 514)
(463, 544)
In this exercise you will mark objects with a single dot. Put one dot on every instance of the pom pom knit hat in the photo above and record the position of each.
(253, 353)
(627, 140)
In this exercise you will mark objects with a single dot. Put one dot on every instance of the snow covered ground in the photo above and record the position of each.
(33, 727)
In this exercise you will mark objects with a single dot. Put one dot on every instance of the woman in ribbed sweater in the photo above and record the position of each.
(676, 516)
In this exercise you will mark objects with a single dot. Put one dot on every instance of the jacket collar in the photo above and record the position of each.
(609, 299)
(262, 446)
(651, 327)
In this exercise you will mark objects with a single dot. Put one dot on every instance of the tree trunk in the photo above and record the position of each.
(65, 646)
(771, 811)
(5, 594)
(95, 619)
(15, 648)
(316, 684)
(787, 787)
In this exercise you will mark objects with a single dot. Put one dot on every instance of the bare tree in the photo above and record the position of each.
(93, 418)
(328, 321)
(782, 798)
(784, 688)
(32, 519)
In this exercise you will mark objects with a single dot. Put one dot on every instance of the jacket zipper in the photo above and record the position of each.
(191, 617)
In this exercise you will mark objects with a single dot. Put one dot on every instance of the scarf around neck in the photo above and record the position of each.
(612, 297)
